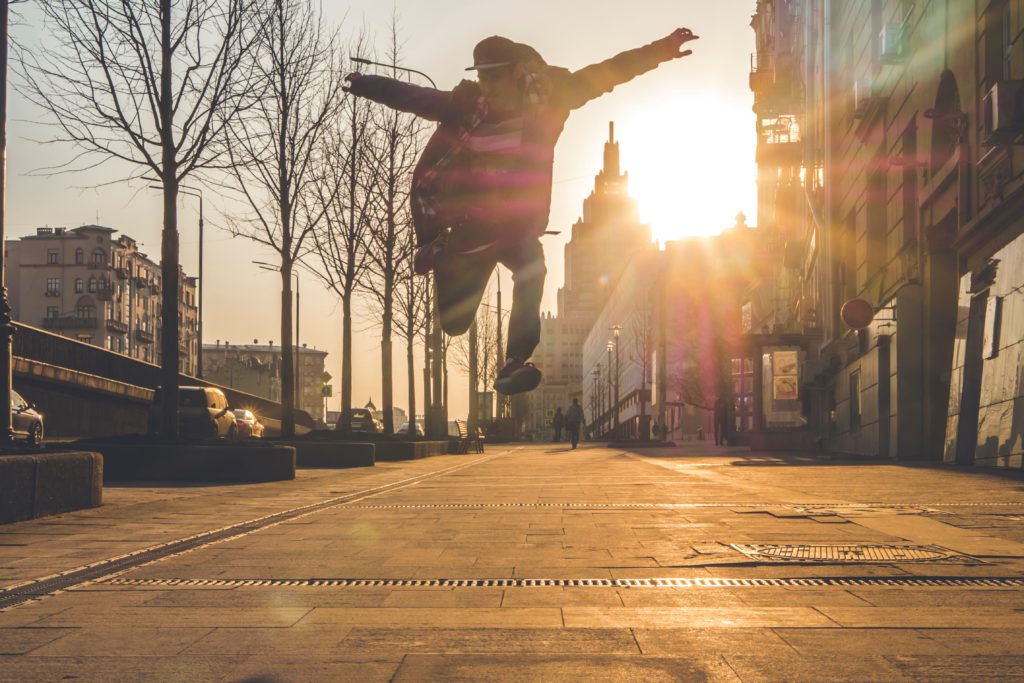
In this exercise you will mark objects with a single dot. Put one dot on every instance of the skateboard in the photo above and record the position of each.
(526, 378)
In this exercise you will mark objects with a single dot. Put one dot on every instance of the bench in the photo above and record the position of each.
(464, 440)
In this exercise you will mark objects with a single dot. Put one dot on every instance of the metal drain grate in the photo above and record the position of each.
(37, 588)
(686, 506)
(681, 582)
(851, 554)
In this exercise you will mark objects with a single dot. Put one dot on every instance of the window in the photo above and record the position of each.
(51, 256)
(85, 311)
(856, 408)
(92, 284)
(99, 256)
(78, 285)
(52, 312)
(53, 285)
(85, 338)
(79, 256)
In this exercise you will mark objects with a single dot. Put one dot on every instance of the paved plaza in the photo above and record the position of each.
(531, 563)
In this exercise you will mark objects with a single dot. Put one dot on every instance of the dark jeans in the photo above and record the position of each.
(558, 435)
(574, 432)
(462, 278)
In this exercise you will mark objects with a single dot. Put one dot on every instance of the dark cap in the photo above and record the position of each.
(494, 52)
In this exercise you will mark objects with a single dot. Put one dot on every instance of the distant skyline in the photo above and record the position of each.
(686, 132)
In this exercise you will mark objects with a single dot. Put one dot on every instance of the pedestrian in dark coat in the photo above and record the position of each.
(558, 424)
(481, 192)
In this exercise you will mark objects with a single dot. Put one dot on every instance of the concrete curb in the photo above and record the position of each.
(196, 462)
(49, 484)
(332, 453)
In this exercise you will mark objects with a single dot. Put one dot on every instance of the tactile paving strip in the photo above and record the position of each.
(860, 553)
(681, 582)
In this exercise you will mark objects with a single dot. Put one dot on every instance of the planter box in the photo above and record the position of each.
(332, 453)
(195, 462)
(48, 484)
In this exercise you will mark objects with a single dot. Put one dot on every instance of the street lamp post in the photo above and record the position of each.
(611, 407)
(616, 330)
(595, 397)
(6, 328)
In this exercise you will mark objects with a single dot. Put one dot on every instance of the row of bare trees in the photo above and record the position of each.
(248, 95)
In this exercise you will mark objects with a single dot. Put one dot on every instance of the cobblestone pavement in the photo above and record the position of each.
(537, 563)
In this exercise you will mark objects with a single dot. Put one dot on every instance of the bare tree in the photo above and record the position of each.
(341, 239)
(276, 149)
(154, 84)
(394, 149)
(410, 314)
(641, 329)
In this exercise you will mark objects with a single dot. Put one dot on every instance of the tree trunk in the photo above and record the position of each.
(346, 362)
(473, 417)
(428, 404)
(387, 367)
(410, 363)
(169, 238)
(287, 354)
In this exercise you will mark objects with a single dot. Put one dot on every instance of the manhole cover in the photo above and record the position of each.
(857, 553)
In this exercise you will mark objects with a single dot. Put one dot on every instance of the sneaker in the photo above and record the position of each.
(426, 256)
(517, 377)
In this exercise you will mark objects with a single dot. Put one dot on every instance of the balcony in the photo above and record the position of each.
(117, 326)
(69, 323)
(144, 336)
(104, 293)
(762, 76)
(99, 265)
(121, 273)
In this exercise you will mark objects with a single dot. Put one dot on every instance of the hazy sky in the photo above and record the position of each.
(686, 132)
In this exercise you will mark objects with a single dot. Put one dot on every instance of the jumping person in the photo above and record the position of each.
(481, 192)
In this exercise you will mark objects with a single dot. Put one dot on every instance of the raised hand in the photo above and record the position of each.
(350, 79)
(680, 37)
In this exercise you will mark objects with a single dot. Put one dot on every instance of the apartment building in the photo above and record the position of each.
(87, 284)
(256, 369)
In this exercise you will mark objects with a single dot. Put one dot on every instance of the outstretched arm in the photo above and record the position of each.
(597, 79)
(427, 103)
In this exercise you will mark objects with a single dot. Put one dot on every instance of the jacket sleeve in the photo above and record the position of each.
(427, 103)
(597, 79)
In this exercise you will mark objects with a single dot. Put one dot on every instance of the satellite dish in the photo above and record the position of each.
(857, 313)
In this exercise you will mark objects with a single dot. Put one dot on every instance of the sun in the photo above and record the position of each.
(691, 163)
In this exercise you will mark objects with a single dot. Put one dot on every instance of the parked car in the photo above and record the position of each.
(202, 412)
(404, 429)
(26, 421)
(248, 426)
(362, 421)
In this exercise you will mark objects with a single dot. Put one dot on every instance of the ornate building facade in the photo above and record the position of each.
(601, 245)
(88, 285)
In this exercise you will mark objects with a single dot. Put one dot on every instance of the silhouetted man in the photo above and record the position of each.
(721, 421)
(481, 192)
(558, 423)
(574, 421)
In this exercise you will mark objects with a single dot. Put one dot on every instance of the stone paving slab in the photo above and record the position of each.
(534, 515)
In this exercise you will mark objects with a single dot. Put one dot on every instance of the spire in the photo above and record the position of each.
(611, 154)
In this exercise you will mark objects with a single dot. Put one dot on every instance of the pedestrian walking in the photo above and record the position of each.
(574, 421)
(558, 423)
(481, 192)
(721, 417)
